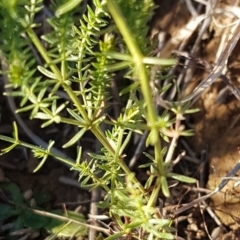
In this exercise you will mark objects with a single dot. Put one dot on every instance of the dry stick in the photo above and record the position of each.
(204, 158)
(165, 50)
(223, 77)
(182, 35)
(217, 189)
(228, 22)
(191, 8)
(201, 211)
(218, 68)
(187, 72)
(66, 219)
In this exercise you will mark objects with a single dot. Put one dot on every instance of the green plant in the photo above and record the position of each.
(86, 54)
(20, 214)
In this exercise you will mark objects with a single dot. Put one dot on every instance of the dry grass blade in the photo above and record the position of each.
(219, 67)
(222, 184)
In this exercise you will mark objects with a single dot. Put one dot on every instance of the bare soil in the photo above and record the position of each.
(216, 128)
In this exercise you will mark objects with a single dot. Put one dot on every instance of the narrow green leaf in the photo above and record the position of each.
(8, 149)
(25, 109)
(97, 156)
(46, 72)
(15, 131)
(125, 143)
(181, 178)
(161, 235)
(47, 123)
(74, 139)
(42, 162)
(120, 56)
(115, 236)
(117, 66)
(67, 7)
(187, 133)
(103, 204)
(75, 115)
(165, 188)
(43, 116)
(79, 154)
(135, 223)
(147, 165)
(193, 110)
(149, 156)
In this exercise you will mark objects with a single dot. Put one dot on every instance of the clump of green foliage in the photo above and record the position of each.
(81, 57)
(22, 213)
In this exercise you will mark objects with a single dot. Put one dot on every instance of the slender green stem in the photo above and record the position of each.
(102, 139)
(140, 70)
(77, 103)
(124, 167)
(100, 136)
(58, 74)
(155, 193)
(32, 35)
(123, 28)
(119, 144)
(96, 130)
(73, 122)
(33, 147)
(173, 144)
(129, 173)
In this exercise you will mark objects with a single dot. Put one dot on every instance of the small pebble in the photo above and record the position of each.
(193, 227)
(28, 194)
(33, 203)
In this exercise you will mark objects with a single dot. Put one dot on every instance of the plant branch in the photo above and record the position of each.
(141, 72)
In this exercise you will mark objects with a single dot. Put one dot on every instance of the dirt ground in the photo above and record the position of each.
(216, 130)
(216, 133)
